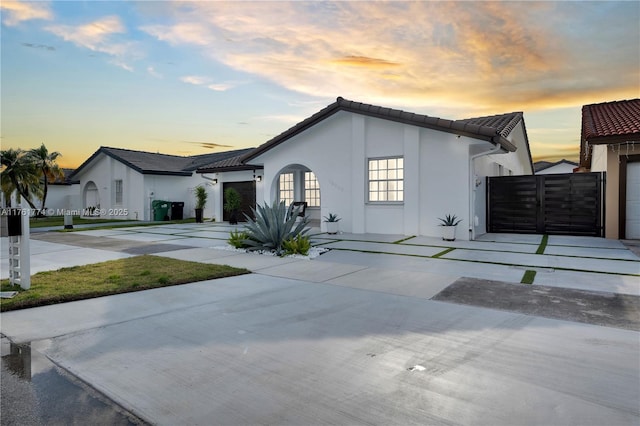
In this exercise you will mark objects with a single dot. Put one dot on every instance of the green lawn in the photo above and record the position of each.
(41, 222)
(112, 277)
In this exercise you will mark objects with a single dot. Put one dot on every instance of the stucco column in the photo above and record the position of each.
(411, 180)
(358, 161)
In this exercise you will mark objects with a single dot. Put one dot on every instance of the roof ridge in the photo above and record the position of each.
(459, 127)
(146, 152)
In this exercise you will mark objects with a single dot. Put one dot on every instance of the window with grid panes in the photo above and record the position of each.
(386, 179)
(311, 190)
(118, 191)
(285, 188)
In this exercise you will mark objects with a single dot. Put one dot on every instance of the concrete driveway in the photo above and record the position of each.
(267, 350)
(352, 337)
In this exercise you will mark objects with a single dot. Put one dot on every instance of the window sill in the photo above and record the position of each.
(384, 203)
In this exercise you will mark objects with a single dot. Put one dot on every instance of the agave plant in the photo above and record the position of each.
(449, 220)
(272, 226)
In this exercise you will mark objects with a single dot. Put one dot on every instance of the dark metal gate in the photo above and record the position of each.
(555, 204)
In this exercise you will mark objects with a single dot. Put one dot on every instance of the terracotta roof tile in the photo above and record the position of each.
(616, 118)
(613, 122)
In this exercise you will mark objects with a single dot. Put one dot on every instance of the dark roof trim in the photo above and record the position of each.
(458, 127)
(237, 168)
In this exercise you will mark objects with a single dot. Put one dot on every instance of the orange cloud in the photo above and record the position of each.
(363, 61)
(484, 56)
(16, 12)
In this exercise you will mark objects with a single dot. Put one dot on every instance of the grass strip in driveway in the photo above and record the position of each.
(528, 277)
(112, 277)
(543, 244)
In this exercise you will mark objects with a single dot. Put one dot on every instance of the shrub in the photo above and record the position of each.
(272, 226)
(237, 239)
(298, 245)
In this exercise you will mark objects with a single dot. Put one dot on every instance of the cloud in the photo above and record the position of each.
(152, 72)
(15, 12)
(486, 56)
(198, 80)
(39, 46)
(195, 79)
(209, 145)
(222, 87)
(363, 61)
(98, 36)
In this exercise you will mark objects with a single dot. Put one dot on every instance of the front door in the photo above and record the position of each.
(247, 191)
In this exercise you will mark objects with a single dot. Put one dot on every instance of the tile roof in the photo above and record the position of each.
(230, 164)
(608, 123)
(159, 164)
(609, 119)
(493, 129)
(503, 123)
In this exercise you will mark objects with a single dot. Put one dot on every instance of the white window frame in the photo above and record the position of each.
(311, 189)
(118, 188)
(286, 192)
(385, 180)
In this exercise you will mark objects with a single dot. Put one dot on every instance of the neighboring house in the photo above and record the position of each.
(611, 143)
(559, 167)
(63, 194)
(122, 184)
(388, 171)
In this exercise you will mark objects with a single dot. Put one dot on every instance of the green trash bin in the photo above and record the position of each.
(160, 209)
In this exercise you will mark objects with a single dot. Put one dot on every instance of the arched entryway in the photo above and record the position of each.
(297, 182)
(91, 197)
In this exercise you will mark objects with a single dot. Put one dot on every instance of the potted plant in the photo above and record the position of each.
(201, 200)
(331, 222)
(232, 201)
(449, 223)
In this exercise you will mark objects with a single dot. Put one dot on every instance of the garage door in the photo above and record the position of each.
(632, 224)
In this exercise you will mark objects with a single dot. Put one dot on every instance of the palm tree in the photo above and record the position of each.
(48, 170)
(19, 174)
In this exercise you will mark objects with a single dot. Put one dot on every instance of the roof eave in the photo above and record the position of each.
(165, 173)
(239, 168)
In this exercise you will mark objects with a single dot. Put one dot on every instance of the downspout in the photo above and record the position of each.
(213, 181)
(472, 187)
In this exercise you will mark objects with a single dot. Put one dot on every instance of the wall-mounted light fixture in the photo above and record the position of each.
(214, 181)
(258, 178)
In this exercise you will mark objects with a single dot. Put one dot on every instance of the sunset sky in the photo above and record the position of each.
(190, 78)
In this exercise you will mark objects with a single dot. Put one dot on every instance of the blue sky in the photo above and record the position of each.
(192, 77)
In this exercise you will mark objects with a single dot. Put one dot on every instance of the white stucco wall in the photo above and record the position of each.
(599, 158)
(63, 197)
(175, 189)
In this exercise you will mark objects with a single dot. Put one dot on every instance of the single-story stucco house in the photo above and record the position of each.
(122, 183)
(551, 168)
(387, 171)
(610, 142)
